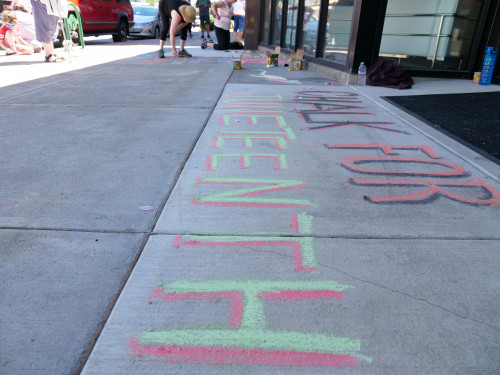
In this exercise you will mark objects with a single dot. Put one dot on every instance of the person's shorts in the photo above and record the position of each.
(204, 20)
(239, 23)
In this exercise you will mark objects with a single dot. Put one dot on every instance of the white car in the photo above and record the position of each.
(147, 21)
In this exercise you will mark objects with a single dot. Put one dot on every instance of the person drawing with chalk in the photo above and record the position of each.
(175, 15)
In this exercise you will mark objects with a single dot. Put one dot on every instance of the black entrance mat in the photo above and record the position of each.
(472, 119)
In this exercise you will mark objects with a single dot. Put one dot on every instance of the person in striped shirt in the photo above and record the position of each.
(223, 11)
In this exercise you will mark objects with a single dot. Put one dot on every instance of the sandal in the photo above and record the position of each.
(52, 58)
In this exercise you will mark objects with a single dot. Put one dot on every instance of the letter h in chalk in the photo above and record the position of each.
(248, 340)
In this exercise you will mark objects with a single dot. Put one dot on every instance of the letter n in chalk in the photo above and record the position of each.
(249, 195)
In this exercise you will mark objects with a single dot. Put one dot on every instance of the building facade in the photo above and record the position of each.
(445, 38)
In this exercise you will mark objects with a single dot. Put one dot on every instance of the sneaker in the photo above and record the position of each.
(161, 54)
(208, 36)
(184, 53)
(210, 41)
(203, 37)
(204, 44)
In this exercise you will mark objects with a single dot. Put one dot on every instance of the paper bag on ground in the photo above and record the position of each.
(297, 57)
(272, 57)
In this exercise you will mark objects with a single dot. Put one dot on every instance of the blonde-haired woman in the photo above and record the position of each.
(181, 14)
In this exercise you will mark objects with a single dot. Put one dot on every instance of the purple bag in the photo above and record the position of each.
(385, 73)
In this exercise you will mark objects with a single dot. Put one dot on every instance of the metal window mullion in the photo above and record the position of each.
(299, 37)
(323, 19)
(272, 26)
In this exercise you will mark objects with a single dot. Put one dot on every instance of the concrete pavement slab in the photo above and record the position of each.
(150, 88)
(387, 307)
(81, 167)
(56, 287)
(270, 153)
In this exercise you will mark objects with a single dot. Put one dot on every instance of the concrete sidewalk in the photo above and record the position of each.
(270, 221)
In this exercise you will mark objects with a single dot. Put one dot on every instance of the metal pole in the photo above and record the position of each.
(437, 41)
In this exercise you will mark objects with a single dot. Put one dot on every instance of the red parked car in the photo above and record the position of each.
(100, 17)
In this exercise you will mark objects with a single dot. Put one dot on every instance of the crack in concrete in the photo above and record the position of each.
(383, 287)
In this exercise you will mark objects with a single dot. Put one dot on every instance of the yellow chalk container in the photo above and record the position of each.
(477, 75)
(237, 64)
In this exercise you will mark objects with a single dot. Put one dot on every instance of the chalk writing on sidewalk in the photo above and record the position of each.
(417, 191)
(302, 247)
(428, 191)
(248, 338)
(248, 341)
(327, 105)
(249, 196)
(212, 162)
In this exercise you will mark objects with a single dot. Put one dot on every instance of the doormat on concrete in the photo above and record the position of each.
(472, 119)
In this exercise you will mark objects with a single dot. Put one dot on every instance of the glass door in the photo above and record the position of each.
(430, 34)
(291, 25)
(338, 30)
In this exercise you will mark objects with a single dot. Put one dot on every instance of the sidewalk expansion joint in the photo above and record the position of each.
(332, 237)
(45, 105)
(79, 230)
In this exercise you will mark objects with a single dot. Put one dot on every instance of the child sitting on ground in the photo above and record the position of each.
(10, 40)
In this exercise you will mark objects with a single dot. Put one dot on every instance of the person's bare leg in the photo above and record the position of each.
(10, 41)
(48, 48)
(25, 50)
(183, 43)
(240, 35)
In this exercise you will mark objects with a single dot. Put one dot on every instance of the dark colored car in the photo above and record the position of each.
(101, 17)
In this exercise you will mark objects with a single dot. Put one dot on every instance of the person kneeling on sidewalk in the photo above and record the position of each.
(223, 11)
(182, 14)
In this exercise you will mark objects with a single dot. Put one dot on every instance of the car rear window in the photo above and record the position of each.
(144, 11)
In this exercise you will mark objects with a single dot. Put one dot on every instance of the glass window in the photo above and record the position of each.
(277, 22)
(429, 34)
(144, 11)
(291, 24)
(310, 28)
(338, 30)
